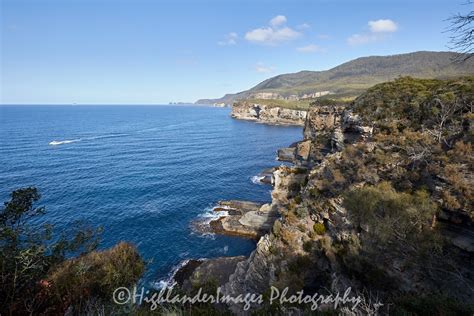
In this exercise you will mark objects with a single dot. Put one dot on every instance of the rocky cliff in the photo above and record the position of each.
(247, 110)
(378, 200)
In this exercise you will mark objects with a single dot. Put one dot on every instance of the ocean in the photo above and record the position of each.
(143, 173)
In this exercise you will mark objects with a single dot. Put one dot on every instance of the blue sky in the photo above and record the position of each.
(151, 52)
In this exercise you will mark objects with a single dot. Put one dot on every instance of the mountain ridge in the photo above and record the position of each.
(353, 77)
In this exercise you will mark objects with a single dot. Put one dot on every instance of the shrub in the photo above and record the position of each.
(299, 265)
(301, 212)
(390, 214)
(298, 199)
(277, 228)
(298, 170)
(307, 246)
(27, 253)
(319, 228)
(294, 187)
(290, 237)
(96, 275)
(290, 218)
(273, 250)
(438, 105)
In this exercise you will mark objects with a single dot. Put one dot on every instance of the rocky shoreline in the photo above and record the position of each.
(257, 221)
(306, 235)
(261, 113)
(244, 219)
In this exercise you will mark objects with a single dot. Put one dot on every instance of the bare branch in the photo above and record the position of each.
(462, 38)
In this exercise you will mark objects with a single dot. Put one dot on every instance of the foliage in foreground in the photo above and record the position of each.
(35, 274)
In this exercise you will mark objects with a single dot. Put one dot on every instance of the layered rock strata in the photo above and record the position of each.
(246, 110)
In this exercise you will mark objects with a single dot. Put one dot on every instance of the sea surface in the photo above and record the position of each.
(143, 173)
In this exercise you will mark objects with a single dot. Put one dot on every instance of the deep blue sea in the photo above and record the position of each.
(144, 173)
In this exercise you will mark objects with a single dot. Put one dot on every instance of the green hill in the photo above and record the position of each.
(354, 77)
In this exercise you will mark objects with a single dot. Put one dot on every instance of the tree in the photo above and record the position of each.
(27, 253)
(462, 38)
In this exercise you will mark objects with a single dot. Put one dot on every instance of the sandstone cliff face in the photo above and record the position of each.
(316, 234)
(327, 130)
(314, 241)
(246, 110)
(278, 251)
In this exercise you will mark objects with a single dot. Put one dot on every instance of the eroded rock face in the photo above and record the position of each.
(329, 129)
(286, 183)
(286, 154)
(197, 273)
(322, 119)
(254, 274)
(303, 150)
(245, 110)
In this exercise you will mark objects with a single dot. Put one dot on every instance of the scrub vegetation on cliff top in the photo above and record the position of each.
(389, 208)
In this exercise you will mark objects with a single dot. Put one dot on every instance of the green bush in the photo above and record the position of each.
(97, 274)
(319, 228)
(277, 228)
(417, 104)
(35, 276)
(27, 253)
(390, 214)
(301, 212)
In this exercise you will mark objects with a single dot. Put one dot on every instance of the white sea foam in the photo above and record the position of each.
(257, 179)
(62, 142)
(207, 235)
(210, 214)
(202, 226)
(69, 141)
(106, 136)
(169, 282)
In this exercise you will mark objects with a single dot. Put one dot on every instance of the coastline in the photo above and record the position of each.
(243, 219)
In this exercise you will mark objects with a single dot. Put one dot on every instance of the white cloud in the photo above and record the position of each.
(303, 26)
(230, 39)
(324, 36)
(311, 48)
(358, 39)
(378, 30)
(261, 68)
(382, 26)
(278, 20)
(268, 35)
(274, 34)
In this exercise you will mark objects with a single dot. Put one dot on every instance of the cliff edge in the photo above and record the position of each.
(266, 113)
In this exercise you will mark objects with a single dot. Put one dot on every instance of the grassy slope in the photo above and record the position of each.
(354, 77)
(295, 105)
